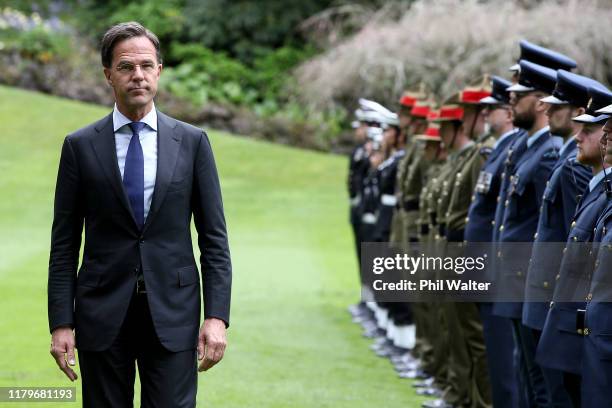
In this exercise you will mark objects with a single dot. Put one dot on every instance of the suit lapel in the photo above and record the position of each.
(106, 151)
(168, 143)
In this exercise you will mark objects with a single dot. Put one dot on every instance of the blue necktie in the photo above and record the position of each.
(133, 173)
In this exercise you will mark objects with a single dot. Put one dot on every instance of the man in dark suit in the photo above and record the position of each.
(134, 179)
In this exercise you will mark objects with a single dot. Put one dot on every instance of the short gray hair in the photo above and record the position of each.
(123, 31)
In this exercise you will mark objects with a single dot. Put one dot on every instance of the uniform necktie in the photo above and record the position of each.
(133, 173)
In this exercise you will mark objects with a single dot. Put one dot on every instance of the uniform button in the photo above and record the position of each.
(141, 241)
(586, 331)
(558, 276)
(574, 238)
(573, 224)
(499, 254)
(579, 331)
(507, 203)
(136, 269)
(473, 197)
(548, 182)
(493, 222)
(535, 236)
(597, 263)
(565, 250)
(467, 219)
(519, 273)
(501, 228)
(551, 304)
(545, 284)
(498, 197)
(589, 297)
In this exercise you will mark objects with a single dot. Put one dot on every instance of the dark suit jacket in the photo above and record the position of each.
(90, 192)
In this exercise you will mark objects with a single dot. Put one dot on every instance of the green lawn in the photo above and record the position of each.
(291, 343)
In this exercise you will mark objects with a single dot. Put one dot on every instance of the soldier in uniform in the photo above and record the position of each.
(462, 185)
(497, 331)
(406, 123)
(596, 325)
(521, 210)
(567, 182)
(457, 140)
(359, 166)
(560, 346)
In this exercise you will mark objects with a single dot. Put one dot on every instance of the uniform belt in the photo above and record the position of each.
(388, 199)
(368, 218)
(355, 201)
(411, 205)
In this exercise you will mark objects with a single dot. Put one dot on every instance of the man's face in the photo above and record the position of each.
(418, 126)
(560, 120)
(404, 116)
(523, 109)
(498, 116)
(134, 72)
(607, 132)
(430, 151)
(361, 132)
(448, 134)
(589, 146)
(473, 120)
(390, 135)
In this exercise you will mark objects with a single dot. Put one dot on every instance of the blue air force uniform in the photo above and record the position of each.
(497, 331)
(524, 194)
(560, 345)
(568, 181)
(597, 331)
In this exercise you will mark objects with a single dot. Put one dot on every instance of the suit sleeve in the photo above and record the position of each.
(212, 234)
(65, 241)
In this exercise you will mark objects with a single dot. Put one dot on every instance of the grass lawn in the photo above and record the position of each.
(291, 343)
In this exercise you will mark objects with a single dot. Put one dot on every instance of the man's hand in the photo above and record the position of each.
(62, 349)
(211, 343)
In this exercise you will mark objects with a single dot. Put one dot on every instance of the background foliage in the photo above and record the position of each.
(292, 71)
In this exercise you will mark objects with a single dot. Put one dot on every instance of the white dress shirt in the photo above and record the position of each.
(148, 141)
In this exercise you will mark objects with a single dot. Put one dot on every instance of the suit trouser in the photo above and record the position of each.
(530, 374)
(472, 333)
(423, 348)
(458, 390)
(168, 379)
(497, 333)
(440, 343)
